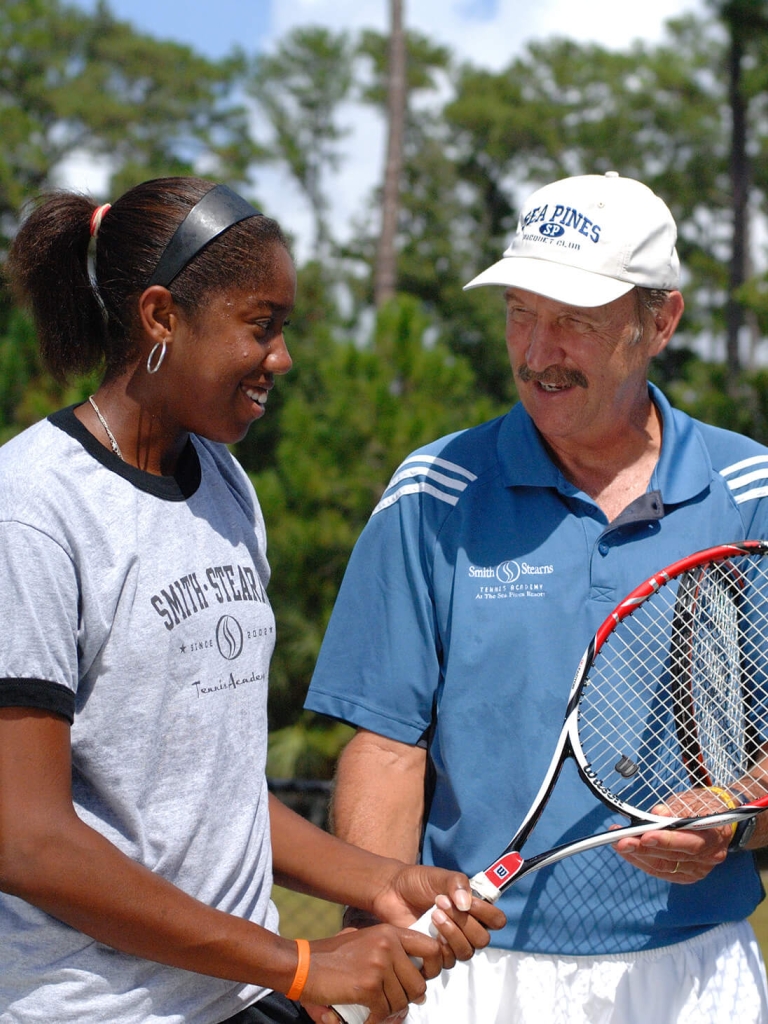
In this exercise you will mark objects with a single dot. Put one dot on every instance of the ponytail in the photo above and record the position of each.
(48, 271)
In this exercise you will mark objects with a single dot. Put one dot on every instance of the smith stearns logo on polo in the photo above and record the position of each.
(544, 223)
(510, 579)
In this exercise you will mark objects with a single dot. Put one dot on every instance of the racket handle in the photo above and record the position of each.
(483, 887)
(351, 1013)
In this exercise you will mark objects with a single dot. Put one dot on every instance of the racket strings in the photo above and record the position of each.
(676, 695)
(713, 671)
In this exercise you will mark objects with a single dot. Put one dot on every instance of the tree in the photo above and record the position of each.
(75, 82)
(437, 232)
(747, 25)
(385, 269)
(300, 88)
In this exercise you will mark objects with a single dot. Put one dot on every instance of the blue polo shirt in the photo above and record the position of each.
(466, 606)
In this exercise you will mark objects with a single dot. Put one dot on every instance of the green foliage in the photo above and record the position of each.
(27, 392)
(74, 82)
(424, 61)
(38, 40)
(308, 749)
(300, 87)
(703, 390)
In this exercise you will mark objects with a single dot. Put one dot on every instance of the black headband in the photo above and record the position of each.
(218, 210)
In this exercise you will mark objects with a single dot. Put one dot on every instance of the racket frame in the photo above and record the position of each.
(511, 865)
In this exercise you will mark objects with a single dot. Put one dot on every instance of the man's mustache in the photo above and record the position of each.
(556, 376)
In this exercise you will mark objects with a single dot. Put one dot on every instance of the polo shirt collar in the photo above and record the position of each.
(523, 458)
(684, 468)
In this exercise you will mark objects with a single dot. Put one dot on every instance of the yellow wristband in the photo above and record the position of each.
(729, 801)
(302, 970)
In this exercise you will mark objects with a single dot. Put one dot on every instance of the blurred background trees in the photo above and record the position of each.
(381, 369)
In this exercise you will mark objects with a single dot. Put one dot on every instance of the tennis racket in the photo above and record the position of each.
(670, 701)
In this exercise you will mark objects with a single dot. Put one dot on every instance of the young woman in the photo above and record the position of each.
(138, 842)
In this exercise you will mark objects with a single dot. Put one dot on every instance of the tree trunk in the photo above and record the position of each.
(739, 171)
(385, 270)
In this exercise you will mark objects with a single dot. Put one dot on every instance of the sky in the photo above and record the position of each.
(488, 33)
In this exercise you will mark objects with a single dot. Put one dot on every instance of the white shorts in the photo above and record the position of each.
(714, 978)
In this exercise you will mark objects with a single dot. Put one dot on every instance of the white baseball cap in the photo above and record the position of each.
(589, 240)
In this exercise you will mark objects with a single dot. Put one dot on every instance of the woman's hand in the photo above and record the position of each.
(372, 967)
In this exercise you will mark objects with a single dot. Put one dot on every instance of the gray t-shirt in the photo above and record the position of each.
(135, 605)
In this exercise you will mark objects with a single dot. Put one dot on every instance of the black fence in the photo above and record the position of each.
(308, 797)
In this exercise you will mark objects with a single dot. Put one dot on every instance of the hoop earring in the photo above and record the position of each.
(153, 367)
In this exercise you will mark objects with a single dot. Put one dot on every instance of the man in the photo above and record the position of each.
(488, 564)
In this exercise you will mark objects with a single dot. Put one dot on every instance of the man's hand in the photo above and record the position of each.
(680, 856)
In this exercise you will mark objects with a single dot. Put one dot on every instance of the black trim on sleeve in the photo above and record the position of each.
(38, 693)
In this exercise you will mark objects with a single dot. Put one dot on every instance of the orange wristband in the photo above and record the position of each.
(302, 970)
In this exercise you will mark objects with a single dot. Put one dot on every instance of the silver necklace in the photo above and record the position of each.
(110, 435)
